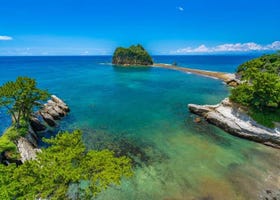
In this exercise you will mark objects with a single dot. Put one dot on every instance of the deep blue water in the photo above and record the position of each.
(147, 107)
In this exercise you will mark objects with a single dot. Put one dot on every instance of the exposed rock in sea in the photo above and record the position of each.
(36, 125)
(61, 112)
(60, 103)
(235, 121)
(48, 118)
(50, 110)
(54, 110)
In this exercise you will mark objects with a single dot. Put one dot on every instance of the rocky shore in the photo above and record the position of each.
(234, 120)
(53, 111)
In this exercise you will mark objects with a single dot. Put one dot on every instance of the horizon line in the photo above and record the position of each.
(95, 55)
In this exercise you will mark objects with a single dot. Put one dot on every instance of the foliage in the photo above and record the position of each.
(260, 88)
(20, 98)
(9, 137)
(266, 63)
(134, 55)
(65, 164)
(265, 117)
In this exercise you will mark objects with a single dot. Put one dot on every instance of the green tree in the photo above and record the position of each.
(20, 98)
(261, 83)
(65, 170)
(260, 88)
(266, 91)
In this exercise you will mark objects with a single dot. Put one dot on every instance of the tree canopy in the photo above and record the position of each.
(260, 88)
(134, 55)
(21, 97)
(65, 170)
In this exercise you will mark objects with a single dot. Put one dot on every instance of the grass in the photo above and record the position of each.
(7, 140)
(265, 118)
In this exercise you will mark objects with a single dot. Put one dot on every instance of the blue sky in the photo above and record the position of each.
(91, 27)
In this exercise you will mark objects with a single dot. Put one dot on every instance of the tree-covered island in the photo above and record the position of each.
(134, 55)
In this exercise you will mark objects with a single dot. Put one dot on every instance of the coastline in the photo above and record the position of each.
(232, 119)
(228, 116)
(226, 77)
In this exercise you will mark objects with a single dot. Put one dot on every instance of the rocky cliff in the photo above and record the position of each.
(235, 121)
(54, 110)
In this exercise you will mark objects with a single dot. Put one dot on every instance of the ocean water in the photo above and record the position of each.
(142, 113)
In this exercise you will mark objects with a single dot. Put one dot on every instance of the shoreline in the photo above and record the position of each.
(226, 77)
(233, 120)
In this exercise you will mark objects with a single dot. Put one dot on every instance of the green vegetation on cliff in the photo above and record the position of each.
(134, 55)
(65, 170)
(9, 138)
(260, 88)
(19, 98)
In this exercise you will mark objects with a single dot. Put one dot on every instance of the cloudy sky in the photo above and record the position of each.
(86, 27)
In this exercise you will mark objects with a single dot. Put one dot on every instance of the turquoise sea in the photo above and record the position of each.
(142, 113)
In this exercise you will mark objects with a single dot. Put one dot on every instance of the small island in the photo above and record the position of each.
(134, 55)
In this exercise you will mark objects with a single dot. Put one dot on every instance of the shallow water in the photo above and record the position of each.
(147, 108)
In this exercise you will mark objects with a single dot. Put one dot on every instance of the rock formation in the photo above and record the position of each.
(52, 111)
(28, 146)
(235, 121)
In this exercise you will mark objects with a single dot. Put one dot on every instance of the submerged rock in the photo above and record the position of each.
(140, 152)
(197, 120)
(233, 120)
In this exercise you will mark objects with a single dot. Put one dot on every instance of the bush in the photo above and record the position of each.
(65, 170)
(260, 90)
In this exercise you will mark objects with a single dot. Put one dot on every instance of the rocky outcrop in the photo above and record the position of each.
(235, 121)
(36, 125)
(48, 118)
(50, 113)
(28, 146)
(233, 80)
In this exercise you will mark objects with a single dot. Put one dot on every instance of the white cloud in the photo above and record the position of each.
(180, 8)
(275, 45)
(4, 37)
(237, 47)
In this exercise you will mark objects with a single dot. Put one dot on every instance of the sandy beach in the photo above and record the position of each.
(212, 74)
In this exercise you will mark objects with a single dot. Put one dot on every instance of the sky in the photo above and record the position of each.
(163, 27)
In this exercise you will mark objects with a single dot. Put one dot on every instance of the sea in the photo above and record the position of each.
(142, 113)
